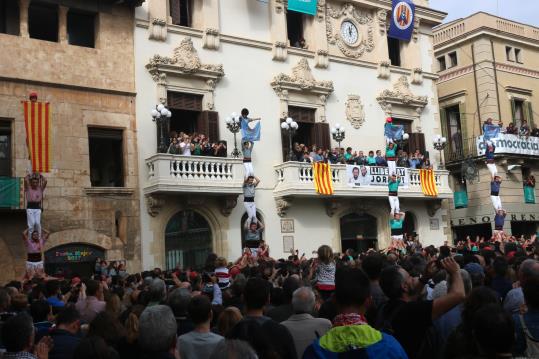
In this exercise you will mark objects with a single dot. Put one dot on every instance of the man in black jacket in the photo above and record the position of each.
(65, 335)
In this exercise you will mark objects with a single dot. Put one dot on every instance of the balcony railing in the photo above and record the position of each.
(458, 149)
(12, 192)
(191, 174)
(296, 179)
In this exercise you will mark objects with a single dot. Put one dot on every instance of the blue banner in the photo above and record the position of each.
(402, 20)
(490, 131)
(250, 134)
(393, 132)
(304, 6)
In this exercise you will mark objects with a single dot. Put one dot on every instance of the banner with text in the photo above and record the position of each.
(365, 176)
(304, 6)
(511, 144)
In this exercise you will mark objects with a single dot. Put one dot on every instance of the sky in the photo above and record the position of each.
(525, 11)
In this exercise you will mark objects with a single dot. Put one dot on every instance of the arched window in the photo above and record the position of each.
(242, 224)
(188, 240)
(358, 232)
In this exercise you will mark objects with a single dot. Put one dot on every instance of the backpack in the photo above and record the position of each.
(532, 344)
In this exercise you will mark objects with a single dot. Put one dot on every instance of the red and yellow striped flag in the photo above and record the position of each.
(428, 184)
(323, 182)
(37, 121)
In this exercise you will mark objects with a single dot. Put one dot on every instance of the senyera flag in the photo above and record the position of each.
(37, 121)
(323, 182)
(428, 184)
(402, 20)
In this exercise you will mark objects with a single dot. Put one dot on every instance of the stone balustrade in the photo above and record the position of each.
(296, 179)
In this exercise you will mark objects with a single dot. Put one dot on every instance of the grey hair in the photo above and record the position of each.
(158, 290)
(233, 349)
(303, 300)
(178, 300)
(467, 279)
(157, 329)
(529, 268)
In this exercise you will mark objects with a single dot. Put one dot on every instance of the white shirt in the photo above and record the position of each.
(185, 149)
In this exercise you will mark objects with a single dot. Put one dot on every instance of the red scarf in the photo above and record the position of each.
(342, 320)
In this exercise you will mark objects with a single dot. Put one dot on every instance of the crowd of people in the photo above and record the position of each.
(523, 130)
(478, 299)
(195, 144)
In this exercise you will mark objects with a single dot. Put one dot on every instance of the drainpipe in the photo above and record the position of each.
(496, 79)
(476, 91)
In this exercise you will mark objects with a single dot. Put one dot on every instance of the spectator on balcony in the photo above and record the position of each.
(313, 152)
(393, 195)
(391, 157)
(535, 131)
(249, 187)
(34, 187)
(371, 160)
(495, 185)
(456, 142)
(333, 156)
(219, 149)
(530, 181)
(489, 156)
(426, 165)
(247, 149)
(524, 130)
(380, 160)
(348, 156)
(318, 156)
(414, 161)
(402, 160)
(34, 251)
(511, 129)
(360, 159)
(174, 147)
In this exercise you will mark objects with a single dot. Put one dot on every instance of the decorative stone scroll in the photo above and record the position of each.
(383, 70)
(301, 79)
(158, 29)
(185, 63)
(154, 204)
(401, 95)
(354, 111)
(382, 21)
(279, 51)
(282, 205)
(210, 39)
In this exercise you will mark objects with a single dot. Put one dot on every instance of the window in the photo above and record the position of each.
(518, 55)
(294, 27)
(5, 148)
(181, 12)
(9, 17)
(43, 21)
(394, 49)
(454, 133)
(106, 157)
(509, 53)
(518, 111)
(81, 28)
(452, 59)
(441, 63)
(407, 126)
(309, 132)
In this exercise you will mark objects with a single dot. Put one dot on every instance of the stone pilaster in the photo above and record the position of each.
(23, 18)
(62, 24)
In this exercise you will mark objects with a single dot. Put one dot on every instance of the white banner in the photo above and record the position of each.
(510, 144)
(365, 176)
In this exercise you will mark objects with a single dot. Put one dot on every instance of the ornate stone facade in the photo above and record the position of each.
(354, 111)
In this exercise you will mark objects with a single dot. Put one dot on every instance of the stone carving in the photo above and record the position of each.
(383, 70)
(157, 21)
(185, 59)
(154, 204)
(433, 207)
(158, 29)
(354, 111)
(417, 76)
(301, 77)
(322, 59)
(320, 10)
(279, 51)
(282, 204)
(349, 12)
(401, 95)
(228, 203)
(279, 6)
(332, 206)
(415, 33)
(382, 20)
(210, 39)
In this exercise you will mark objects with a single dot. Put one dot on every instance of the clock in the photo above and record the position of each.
(349, 32)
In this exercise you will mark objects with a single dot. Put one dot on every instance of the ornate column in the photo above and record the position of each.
(62, 24)
(278, 30)
(23, 18)
(157, 12)
(210, 37)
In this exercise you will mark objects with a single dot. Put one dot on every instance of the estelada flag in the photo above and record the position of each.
(428, 184)
(37, 121)
(323, 182)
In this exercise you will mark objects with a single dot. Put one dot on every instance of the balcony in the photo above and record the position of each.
(12, 193)
(296, 179)
(193, 174)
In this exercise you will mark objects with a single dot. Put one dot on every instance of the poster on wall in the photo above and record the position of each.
(366, 176)
(512, 144)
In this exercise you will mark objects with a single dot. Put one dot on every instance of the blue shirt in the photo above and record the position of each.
(495, 187)
(448, 322)
(380, 161)
(531, 319)
(396, 224)
(489, 155)
(414, 162)
(499, 219)
(55, 302)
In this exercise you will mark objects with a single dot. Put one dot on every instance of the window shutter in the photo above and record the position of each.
(301, 114)
(174, 6)
(529, 114)
(513, 111)
(467, 143)
(208, 124)
(321, 135)
(417, 142)
(184, 101)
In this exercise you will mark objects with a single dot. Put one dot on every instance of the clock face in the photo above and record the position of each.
(349, 32)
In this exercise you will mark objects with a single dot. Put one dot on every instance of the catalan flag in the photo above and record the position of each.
(428, 185)
(323, 182)
(37, 121)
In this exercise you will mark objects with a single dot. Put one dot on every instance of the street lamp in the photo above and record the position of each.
(161, 115)
(439, 143)
(338, 134)
(290, 126)
(233, 123)
(403, 140)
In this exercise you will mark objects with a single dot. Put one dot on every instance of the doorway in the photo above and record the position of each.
(72, 260)
(524, 228)
(409, 224)
(188, 240)
(359, 232)
(461, 232)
